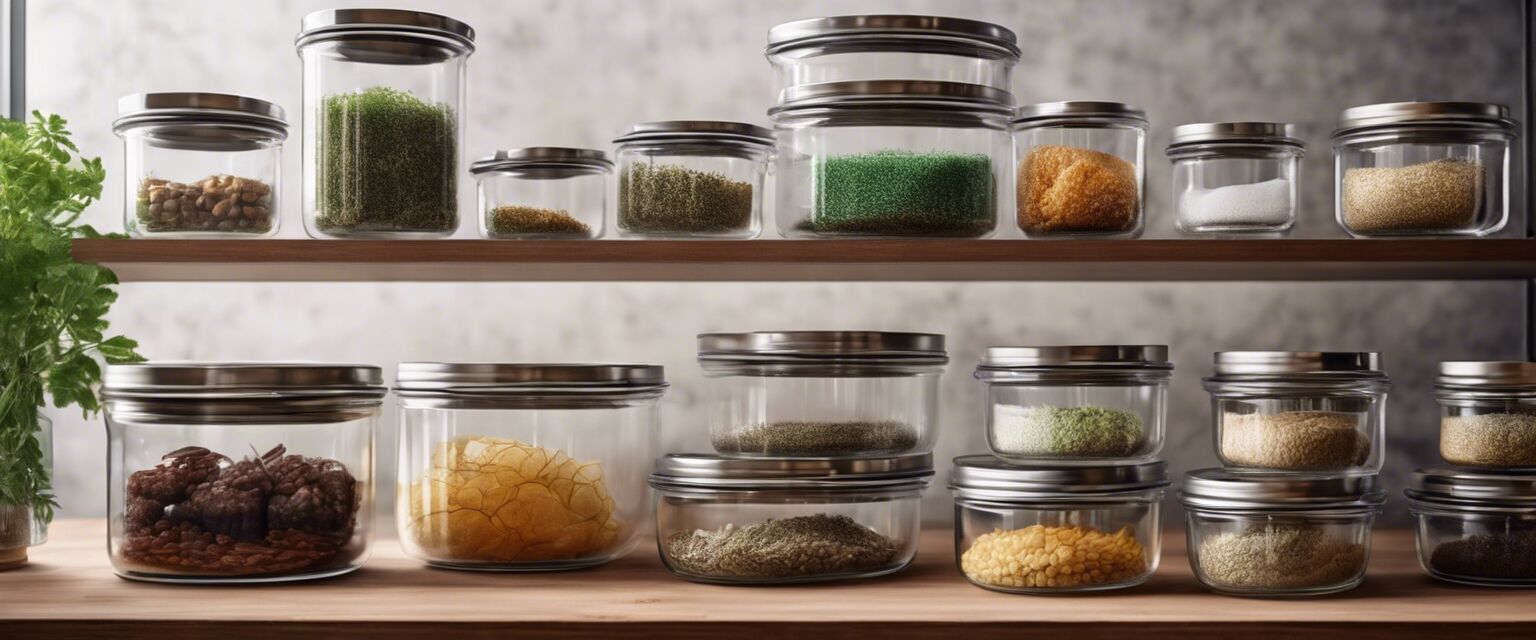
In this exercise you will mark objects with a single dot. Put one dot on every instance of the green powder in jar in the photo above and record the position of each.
(798, 547)
(662, 198)
(904, 194)
(388, 162)
(1489, 440)
(1069, 432)
(818, 438)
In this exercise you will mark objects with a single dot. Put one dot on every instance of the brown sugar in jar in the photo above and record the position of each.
(1071, 190)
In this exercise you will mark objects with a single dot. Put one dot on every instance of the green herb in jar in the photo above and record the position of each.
(521, 219)
(663, 198)
(388, 162)
(904, 194)
(798, 547)
(1067, 432)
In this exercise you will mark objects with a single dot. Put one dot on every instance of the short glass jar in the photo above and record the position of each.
(1255, 533)
(1488, 414)
(822, 393)
(524, 467)
(1299, 410)
(893, 158)
(384, 122)
(1423, 168)
(754, 521)
(1475, 527)
(200, 164)
(1081, 169)
(239, 472)
(1235, 177)
(1075, 404)
(692, 179)
(1046, 529)
(543, 193)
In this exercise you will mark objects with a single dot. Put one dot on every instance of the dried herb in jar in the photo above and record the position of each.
(1438, 195)
(818, 438)
(388, 161)
(519, 220)
(663, 198)
(1489, 440)
(220, 203)
(798, 547)
(901, 193)
(1074, 432)
(1050, 557)
(1071, 190)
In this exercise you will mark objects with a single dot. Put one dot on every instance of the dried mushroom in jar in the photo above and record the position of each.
(217, 203)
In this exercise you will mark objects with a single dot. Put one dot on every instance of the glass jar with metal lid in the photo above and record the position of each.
(692, 179)
(543, 192)
(822, 393)
(231, 472)
(1488, 414)
(748, 521)
(524, 467)
(1075, 404)
(1235, 177)
(1258, 533)
(200, 164)
(1051, 529)
(1299, 410)
(1416, 168)
(384, 122)
(1081, 168)
(891, 158)
(1476, 526)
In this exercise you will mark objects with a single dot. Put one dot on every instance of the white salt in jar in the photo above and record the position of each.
(1235, 177)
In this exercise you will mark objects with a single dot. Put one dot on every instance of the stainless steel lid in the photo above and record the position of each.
(201, 121)
(684, 471)
(928, 347)
(496, 377)
(1222, 489)
(387, 36)
(1487, 376)
(895, 94)
(987, 477)
(698, 131)
(1046, 112)
(1250, 133)
(1291, 363)
(1479, 115)
(536, 158)
(242, 391)
(1458, 485)
(1140, 356)
(920, 34)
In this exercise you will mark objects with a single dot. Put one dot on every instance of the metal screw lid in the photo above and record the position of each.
(543, 158)
(824, 344)
(984, 476)
(1222, 489)
(202, 121)
(905, 94)
(1490, 375)
(242, 392)
(1473, 486)
(1041, 113)
(339, 23)
(1257, 133)
(512, 378)
(708, 471)
(1479, 115)
(698, 130)
(1287, 363)
(919, 34)
(1150, 356)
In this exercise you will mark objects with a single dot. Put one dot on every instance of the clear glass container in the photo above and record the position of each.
(1271, 534)
(199, 165)
(1045, 529)
(1235, 177)
(239, 472)
(822, 393)
(384, 122)
(1075, 404)
(803, 519)
(1081, 169)
(1475, 527)
(891, 158)
(692, 179)
(1299, 410)
(543, 193)
(524, 467)
(22, 526)
(1488, 414)
(1423, 168)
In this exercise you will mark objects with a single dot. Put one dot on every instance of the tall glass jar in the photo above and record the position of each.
(1474, 526)
(384, 122)
(1082, 169)
(21, 525)
(543, 192)
(692, 179)
(1235, 177)
(1488, 414)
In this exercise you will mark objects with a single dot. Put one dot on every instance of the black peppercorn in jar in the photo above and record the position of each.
(692, 179)
(1476, 526)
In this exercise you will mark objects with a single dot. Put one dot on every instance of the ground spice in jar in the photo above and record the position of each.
(1048, 557)
(215, 203)
(1078, 432)
(1266, 203)
(519, 219)
(903, 193)
(818, 438)
(1280, 556)
(798, 547)
(1067, 189)
(1491, 556)
(674, 199)
(1295, 440)
(1438, 195)
(1489, 440)
(388, 161)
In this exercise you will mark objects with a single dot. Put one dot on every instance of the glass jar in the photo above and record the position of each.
(892, 158)
(1423, 168)
(1299, 410)
(384, 122)
(1039, 529)
(524, 467)
(1235, 177)
(543, 193)
(239, 472)
(1075, 404)
(1475, 527)
(822, 393)
(200, 164)
(692, 179)
(1081, 169)
(753, 521)
(21, 525)
(1255, 533)
(1488, 414)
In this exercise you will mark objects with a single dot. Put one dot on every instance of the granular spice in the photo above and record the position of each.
(1069, 190)
(1439, 195)
(818, 438)
(1048, 557)
(819, 545)
(215, 203)
(1259, 204)
(520, 219)
(674, 199)
(388, 161)
(1283, 556)
(902, 193)
(1490, 556)
(1074, 432)
(1489, 440)
(1295, 440)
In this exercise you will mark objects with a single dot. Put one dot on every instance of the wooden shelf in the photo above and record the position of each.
(812, 260)
(69, 591)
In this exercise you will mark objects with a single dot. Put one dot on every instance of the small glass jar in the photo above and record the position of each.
(200, 165)
(1488, 414)
(1081, 169)
(1299, 410)
(384, 122)
(692, 179)
(1235, 177)
(894, 158)
(1423, 168)
(1075, 404)
(1475, 527)
(239, 472)
(1044, 530)
(524, 467)
(822, 393)
(543, 193)
(758, 521)
(1255, 533)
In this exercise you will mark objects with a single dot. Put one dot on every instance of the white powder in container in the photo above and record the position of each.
(1266, 203)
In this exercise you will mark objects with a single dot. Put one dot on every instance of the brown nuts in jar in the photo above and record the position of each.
(218, 203)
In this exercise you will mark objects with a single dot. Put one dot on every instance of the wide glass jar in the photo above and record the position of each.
(1081, 169)
(1423, 168)
(822, 393)
(200, 164)
(1474, 526)
(1075, 404)
(543, 193)
(692, 179)
(893, 158)
(1488, 414)
(384, 122)
(1299, 410)
(1254, 533)
(1235, 177)
(1043, 529)
(754, 521)
(239, 472)
(524, 467)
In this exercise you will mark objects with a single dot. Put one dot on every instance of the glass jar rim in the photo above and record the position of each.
(892, 32)
(533, 158)
(1487, 375)
(1141, 356)
(1227, 490)
(704, 132)
(517, 384)
(870, 98)
(344, 24)
(703, 472)
(1078, 111)
(990, 478)
(1411, 115)
(1451, 485)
